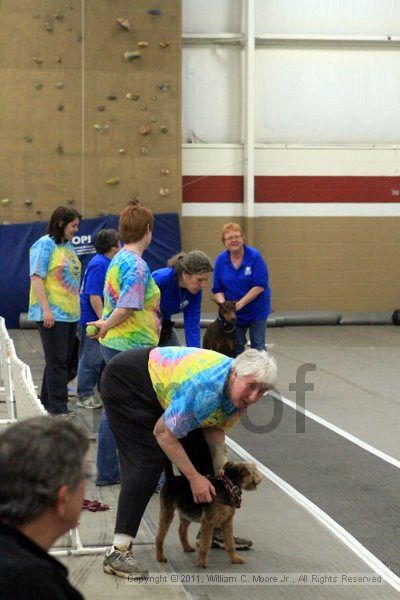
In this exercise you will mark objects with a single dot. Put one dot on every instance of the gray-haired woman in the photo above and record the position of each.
(181, 284)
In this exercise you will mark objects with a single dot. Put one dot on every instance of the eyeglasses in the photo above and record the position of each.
(231, 238)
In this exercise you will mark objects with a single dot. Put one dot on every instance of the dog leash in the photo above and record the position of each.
(224, 324)
(233, 490)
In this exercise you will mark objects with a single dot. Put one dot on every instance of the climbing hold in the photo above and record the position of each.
(164, 191)
(122, 150)
(111, 97)
(163, 87)
(59, 17)
(5, 201)
(134, 97)
(113, 181)
(38, 212)
(59, 85)
(71, 201)
(124, 24)
(143, 107)
(28, 138)
(38, 60)
(153, 119)
(165, 171)
(164, 129)
(101, 128)
(156, 12)
(132, 55)
(143, 44)
(60, 150)
(58, 60)
(101, 108)
(36, 15)
(80, 37)
(60, 107)
(154, 98)
(48, 26)
(144, 130)
(28, 202)
(164, 44)
(144, 150)
(38, 85)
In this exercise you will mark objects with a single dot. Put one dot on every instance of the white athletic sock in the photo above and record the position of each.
(121, 539)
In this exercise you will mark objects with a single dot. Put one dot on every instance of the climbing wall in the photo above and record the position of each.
(89, 106)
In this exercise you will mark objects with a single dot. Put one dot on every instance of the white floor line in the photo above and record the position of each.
(338, 531)
(338, 430)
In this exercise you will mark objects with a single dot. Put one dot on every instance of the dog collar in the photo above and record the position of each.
(233, 490)
(224, 323)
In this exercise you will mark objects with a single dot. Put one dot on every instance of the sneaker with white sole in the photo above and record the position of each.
(218, 540)
(89, 402)
(121, 562)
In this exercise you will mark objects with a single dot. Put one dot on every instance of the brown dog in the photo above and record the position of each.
(176, 494)
(220, 334)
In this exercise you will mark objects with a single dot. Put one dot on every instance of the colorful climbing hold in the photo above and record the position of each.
(144, 130)
(111, 97)
(156, 12)
(48, 26)
(38, 85)
(38, 60)
(5, 201)
(132, 55)
(164, 129)
(124, 24)
(59, 85)
(134, 97)
(143, 44)
(163, 87)
(165, 171)
(164, 191)
(113, 181)
(101, 108)
(101, 128)
(164, 45)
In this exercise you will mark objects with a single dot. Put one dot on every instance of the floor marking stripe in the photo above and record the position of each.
(352, 438)
(344, 536)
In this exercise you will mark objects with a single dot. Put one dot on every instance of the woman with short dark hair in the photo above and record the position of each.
(55, 272)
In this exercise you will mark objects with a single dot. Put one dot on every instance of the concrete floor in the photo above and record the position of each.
(355, 388)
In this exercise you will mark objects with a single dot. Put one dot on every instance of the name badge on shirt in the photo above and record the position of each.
(247, 270)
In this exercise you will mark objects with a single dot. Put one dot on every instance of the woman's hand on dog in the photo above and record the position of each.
(202, 489)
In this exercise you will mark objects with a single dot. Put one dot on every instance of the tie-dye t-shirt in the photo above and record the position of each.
(60, 269)
(129, 284)
(190, 386)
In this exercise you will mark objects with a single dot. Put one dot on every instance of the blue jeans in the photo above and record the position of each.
(90, 366)
(257, 330)
(107, 462)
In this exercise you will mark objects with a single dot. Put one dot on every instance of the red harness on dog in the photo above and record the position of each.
(233, 490)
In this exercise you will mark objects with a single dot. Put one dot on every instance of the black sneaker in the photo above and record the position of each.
(218, 541)
(121, 562)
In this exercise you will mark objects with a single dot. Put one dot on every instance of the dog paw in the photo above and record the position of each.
(237, 560)
(189, 548)
(161, 558)
(202, 564)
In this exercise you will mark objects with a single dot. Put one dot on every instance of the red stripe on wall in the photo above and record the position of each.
(289, 189)
(215, 188)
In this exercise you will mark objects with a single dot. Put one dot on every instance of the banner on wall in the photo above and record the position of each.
(16, 240)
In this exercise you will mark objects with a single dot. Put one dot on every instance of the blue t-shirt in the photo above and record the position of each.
(175, 299)
(93, 285)
(235, 283)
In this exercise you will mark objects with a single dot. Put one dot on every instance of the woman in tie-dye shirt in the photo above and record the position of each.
(131, 317)
(177, 402)
(55, 273)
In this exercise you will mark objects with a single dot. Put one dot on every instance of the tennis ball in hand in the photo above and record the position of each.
(91, 330)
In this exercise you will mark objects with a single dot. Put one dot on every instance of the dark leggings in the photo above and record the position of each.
(132, 410)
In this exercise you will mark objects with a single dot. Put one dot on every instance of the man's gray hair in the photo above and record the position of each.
(259, 364)
(37, 457)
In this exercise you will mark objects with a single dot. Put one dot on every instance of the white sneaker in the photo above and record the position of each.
(89, 402)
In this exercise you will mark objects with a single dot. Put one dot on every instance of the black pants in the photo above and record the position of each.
(58, 344)
(132, 410)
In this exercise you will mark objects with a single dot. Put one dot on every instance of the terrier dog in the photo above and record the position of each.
(220, 334)
(177, 494)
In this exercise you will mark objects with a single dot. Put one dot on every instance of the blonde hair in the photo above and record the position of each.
(230, 227)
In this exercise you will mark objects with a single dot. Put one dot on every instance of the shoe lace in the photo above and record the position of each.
(129, 558)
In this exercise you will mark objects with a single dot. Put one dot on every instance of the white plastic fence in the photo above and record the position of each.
(17, 383)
